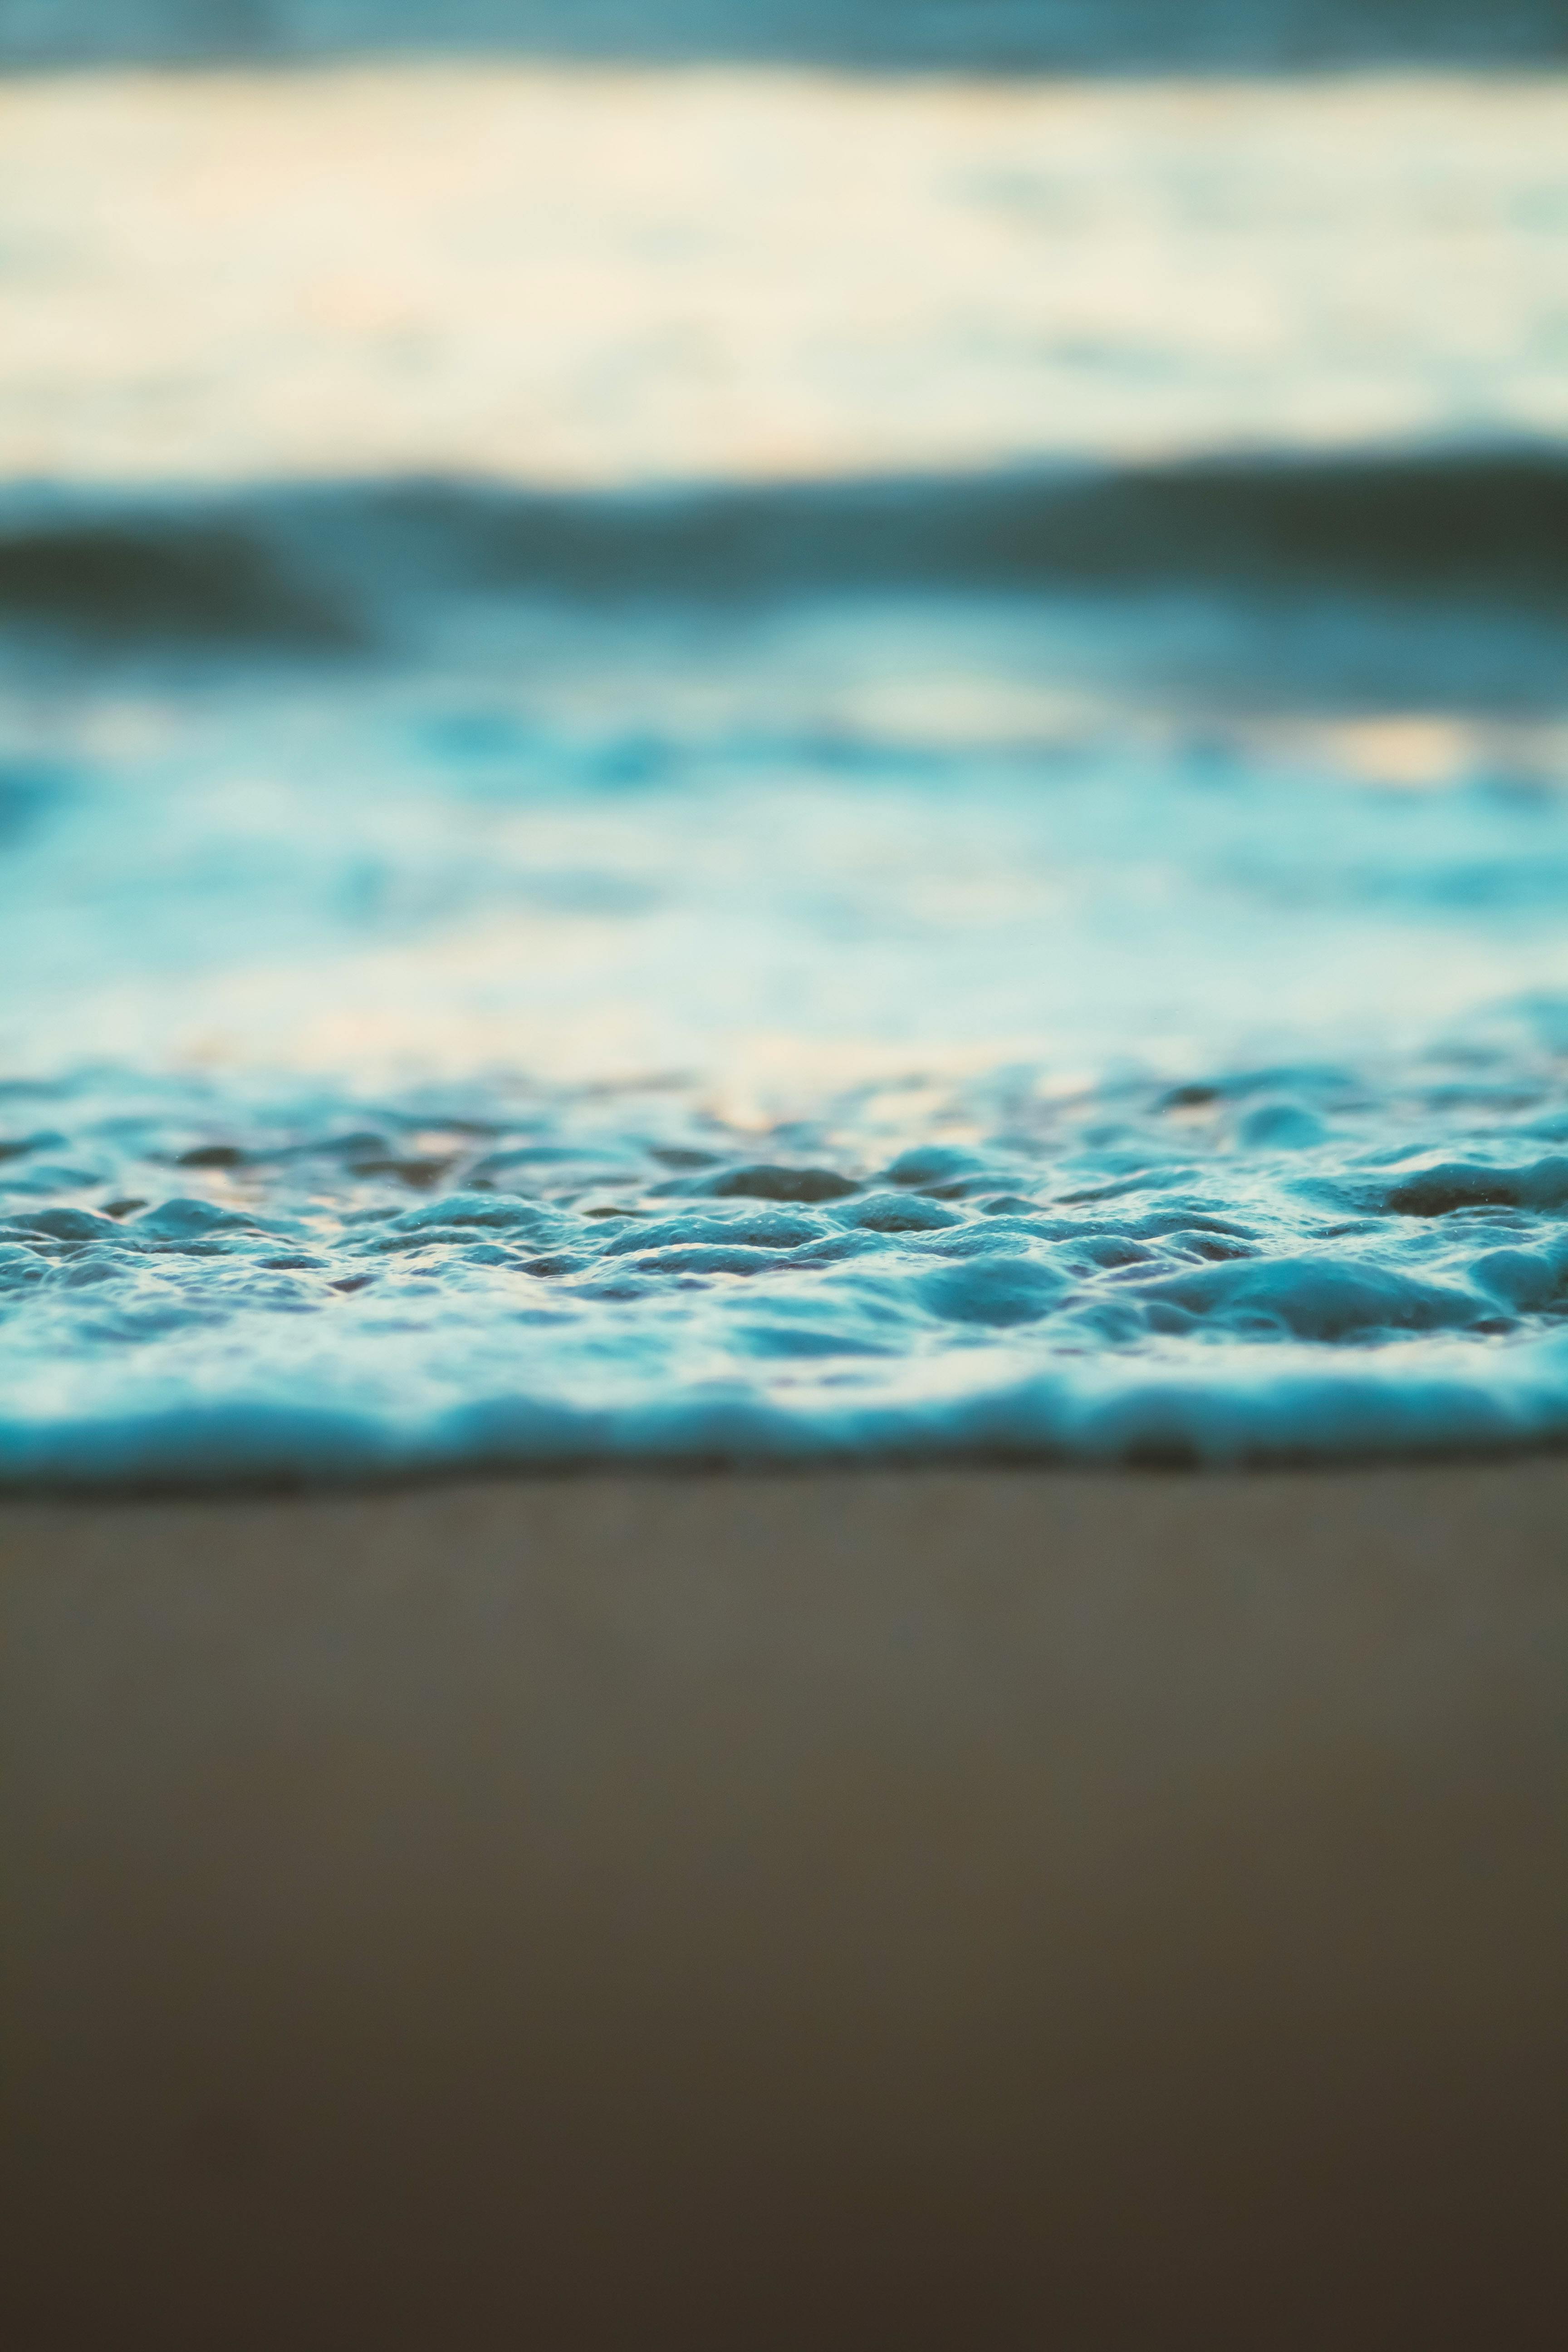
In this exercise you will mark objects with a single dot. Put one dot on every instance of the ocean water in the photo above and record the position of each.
(1011, 35)
(1051, 943)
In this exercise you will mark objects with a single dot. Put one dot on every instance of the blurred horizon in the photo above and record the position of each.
(1073, 37)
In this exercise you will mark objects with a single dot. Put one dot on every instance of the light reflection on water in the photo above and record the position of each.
(574, 276)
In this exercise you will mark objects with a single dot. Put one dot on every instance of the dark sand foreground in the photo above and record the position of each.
(972, 1908)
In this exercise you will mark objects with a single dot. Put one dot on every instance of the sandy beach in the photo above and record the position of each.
(799, 761)
(971, 1907)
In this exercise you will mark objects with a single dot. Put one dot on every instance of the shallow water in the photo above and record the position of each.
(809, 1063)
(901, 958)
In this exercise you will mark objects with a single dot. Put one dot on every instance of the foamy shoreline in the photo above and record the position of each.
(589, 1908)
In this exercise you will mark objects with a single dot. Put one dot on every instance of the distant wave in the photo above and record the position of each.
(173, 572)
(1072, 36)
(326, 564)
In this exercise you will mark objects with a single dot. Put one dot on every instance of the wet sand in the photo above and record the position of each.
(976, 1908)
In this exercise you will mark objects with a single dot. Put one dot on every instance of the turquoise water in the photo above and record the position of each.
(832, 747)
(1041, 35)
(968, 1015)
